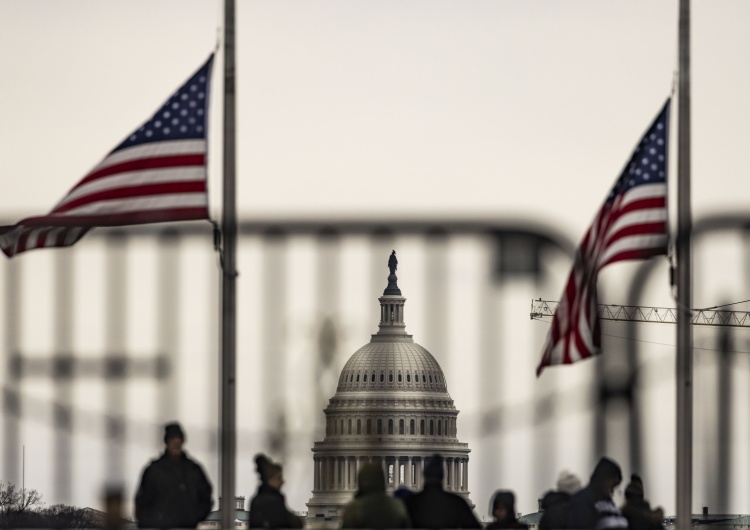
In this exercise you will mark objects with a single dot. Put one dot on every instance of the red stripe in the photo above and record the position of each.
(41, 238)
(651, 203)
(144, 190)
(638, 253)
(657, 227)
(21, 244)
(155, 162)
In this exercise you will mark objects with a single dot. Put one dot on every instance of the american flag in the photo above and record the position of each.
(631, 224)
(156, 174)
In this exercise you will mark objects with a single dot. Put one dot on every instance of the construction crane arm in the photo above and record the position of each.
(665, 315)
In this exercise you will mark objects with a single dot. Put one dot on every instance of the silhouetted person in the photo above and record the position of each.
(637, 510)
(503, 509)
(372, 507)
(555, 502)
(435, 508)
(593, 507)
(268, 507)
(174, 491)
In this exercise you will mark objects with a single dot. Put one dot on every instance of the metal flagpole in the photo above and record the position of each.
(228, 280)
(684, 362)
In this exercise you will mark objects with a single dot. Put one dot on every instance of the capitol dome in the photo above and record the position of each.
(391, 408)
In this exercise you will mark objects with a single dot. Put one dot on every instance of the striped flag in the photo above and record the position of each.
(157, 174)
(631, 224)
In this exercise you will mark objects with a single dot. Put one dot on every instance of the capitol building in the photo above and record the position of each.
(392, 408)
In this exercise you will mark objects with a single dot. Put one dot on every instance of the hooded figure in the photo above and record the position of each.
(435, 508)
(174, 491)
(372, 507)
(593, 507)
(268, 507)
(503, 509)
(637, 510)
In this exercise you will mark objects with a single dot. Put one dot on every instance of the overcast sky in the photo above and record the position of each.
(499, 108)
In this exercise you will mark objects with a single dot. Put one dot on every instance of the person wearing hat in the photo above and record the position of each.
(268, 506)
(637, 510)
(435, 508)
(555, 502)
(174, 491)
(372, 507)
(503, 509)
(593, 507)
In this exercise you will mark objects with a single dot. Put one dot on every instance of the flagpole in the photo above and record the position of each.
(228, 280)
(684, 361)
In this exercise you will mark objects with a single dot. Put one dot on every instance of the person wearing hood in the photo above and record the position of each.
(268, 507)
(555, 502)
(503, 509)
(372, 507)
(593, 507)
(174, 491)
(435, 508)
(637, 510)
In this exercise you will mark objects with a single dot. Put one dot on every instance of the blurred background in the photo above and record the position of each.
(476, 139)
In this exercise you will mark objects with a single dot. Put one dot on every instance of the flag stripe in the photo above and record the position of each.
(147, 163)
(163, 148)
(136, 178)
(144, 190)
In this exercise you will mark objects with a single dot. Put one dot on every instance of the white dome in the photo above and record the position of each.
(393, 365)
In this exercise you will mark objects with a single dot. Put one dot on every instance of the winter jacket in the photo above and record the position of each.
(435, 508)
(555, 507)
(592, 508)
(372, 507)
(173, 493)
(268, 510)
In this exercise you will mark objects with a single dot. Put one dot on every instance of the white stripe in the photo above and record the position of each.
(32, 241)
(634, 242)
(52, 235)
(163, 148)
(136, 178)
(644, 191)
(135, 204)
(637, 217)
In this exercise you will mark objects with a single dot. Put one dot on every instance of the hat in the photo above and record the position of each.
(568, 483)
(265, 467)
(635, 488)
(504, 498)
(173, 430)
(433, 470)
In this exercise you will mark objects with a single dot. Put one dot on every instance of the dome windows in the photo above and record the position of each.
(390, 378)
(399, 378)
(364, 379)
(408, 377)
(382, 377)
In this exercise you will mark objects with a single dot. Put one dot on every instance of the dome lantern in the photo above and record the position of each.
(392, 325)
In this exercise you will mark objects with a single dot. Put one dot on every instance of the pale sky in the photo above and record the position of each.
(492, 108)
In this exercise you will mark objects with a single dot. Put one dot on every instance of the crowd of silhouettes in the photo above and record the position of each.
(174, 492)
